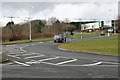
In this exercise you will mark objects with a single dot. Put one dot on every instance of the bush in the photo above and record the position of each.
(42, 35)
(18, 37)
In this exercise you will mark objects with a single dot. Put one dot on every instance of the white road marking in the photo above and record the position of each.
(111, 63)
(29, 54)
(49, 59)
(49, 63)
(10, 45)
(32, 44)
(27, 45)
(36, 53)
(21, 63)
(33, 57)
(62, 49)
(21, 48)
(11, 53)
(94, 64)
(15, 56)
(10, 63)
(41, 42)
(32, 62)
(66, 62)
(22, 52)
(36, 62)
(40, 61)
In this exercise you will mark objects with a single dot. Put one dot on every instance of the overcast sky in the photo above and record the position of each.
(72, 9)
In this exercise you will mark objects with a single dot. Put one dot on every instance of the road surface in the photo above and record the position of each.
(45, 60)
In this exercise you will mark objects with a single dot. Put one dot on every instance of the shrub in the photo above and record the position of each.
(42, 35)
(18, 37)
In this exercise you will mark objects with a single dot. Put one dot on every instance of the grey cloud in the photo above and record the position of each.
(38, 6)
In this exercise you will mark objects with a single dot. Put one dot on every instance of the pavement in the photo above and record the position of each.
(45, 60)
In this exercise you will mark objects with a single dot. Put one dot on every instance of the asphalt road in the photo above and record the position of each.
(45, 60)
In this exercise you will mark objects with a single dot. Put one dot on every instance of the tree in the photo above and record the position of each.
(51, 20)
(37, 26)
(10, 25)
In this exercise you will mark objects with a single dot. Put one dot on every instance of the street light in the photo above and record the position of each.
(66, 33)
(114, 21)
(94, 26)
(80, 26)
(66, 21)
(30, 38)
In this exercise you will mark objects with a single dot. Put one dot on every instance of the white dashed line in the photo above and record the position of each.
(21, 63)
(41, 42)
(32, 44)
(22, 49)
(21, 52)
(48, 59)
(111, 63)
(33, 57)
(66, 62)
(32, 62)
(62, 49)
(49, 63)
(14, 56)
(40, 61)
(10, 63)
(10, 45)
(94, 64)
(29, 54)
(27, 45)
(11, 53)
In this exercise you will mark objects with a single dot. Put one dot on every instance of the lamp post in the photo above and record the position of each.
(80, 26)
(66, 21)
(114, 22)
(94, 26)
(66, 30)
(30, 37)
(109, 32)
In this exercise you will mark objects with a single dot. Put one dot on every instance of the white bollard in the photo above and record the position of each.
(108, 34)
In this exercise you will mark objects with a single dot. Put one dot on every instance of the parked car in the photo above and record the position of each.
(59, 38)
(102, 34)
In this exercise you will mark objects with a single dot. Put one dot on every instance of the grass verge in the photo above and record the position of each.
(46, 39)
(2, 59)
(27, 41)
(107, 46)
(84, 35)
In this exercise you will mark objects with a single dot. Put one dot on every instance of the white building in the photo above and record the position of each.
(90, 26)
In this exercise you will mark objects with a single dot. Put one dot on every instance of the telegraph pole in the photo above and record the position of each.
(30, 32)
(11, 17)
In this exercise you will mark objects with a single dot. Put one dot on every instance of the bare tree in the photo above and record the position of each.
(51, 20)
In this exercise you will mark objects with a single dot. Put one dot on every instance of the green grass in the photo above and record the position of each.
(26, 41)
(84, 35)
(2, 59)
(107, 46)
(46, 39)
